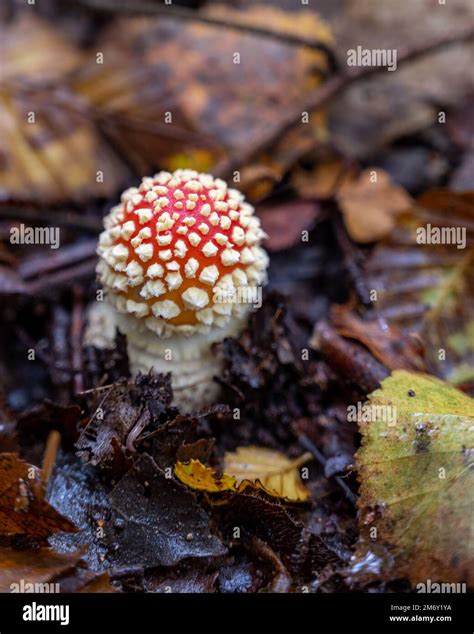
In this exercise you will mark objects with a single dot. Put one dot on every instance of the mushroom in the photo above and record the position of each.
(181, 263)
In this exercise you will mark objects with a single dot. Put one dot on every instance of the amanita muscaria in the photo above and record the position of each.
(172, 257)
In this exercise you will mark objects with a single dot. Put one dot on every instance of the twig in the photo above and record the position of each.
(49, 458)
(136, 429)
(39, 265)
(309, 446)
(352, 257)
(93, 390)
(110, 122)
(34, 215)
(77, 325)
(330, 89)
(150, 8)
(60, 352)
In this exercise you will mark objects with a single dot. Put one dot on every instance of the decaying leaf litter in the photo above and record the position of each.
(143, 496)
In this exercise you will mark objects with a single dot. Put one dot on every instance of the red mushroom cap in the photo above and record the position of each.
(176, 248)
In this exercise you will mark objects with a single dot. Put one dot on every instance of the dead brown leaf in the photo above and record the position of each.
(388, 344)
(23, 510)
(36, 566)
(145, 75)
(321, 180)
(370, 204)
(285, 223)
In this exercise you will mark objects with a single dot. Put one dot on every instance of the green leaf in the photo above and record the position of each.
(416, 473)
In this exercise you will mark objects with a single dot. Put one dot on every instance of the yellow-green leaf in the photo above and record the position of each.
(249, 467)
(416, 472)
(197, 476)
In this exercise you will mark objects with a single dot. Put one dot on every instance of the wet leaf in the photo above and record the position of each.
(99, 583)
(176, 439)
(370, 206)
(255, 468)
(395, 105)
(156, 521)
(76, 491)
(427, 288)
(181, 580)
(28, 570)
(23, 509)
(417, 479)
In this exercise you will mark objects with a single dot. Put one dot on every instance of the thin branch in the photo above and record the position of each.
(35, 215)
(77, 327)
(49, 456)
(330, 89)
(311, 447)
(150, 8)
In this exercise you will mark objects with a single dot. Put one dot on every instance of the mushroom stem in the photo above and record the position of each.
(192, 367)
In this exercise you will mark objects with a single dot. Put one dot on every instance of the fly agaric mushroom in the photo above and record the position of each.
(172, 256)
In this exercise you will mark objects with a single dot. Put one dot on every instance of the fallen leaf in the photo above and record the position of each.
(176, 439)
(321, 180)
(426, 289)
(76, 491)
(370, 206)
(348, 359)
(144, 76)
(32, 48)
(99, 583)
(268, 520)
(180, 581)
(394, 105)
(155, 521)
(64, 134)
(23, 509)
(277, 474)
(197, 476)
(36, 566)
(284, 223)
(43, 570)
(387, 343)
(255, 468)
(417, 479)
